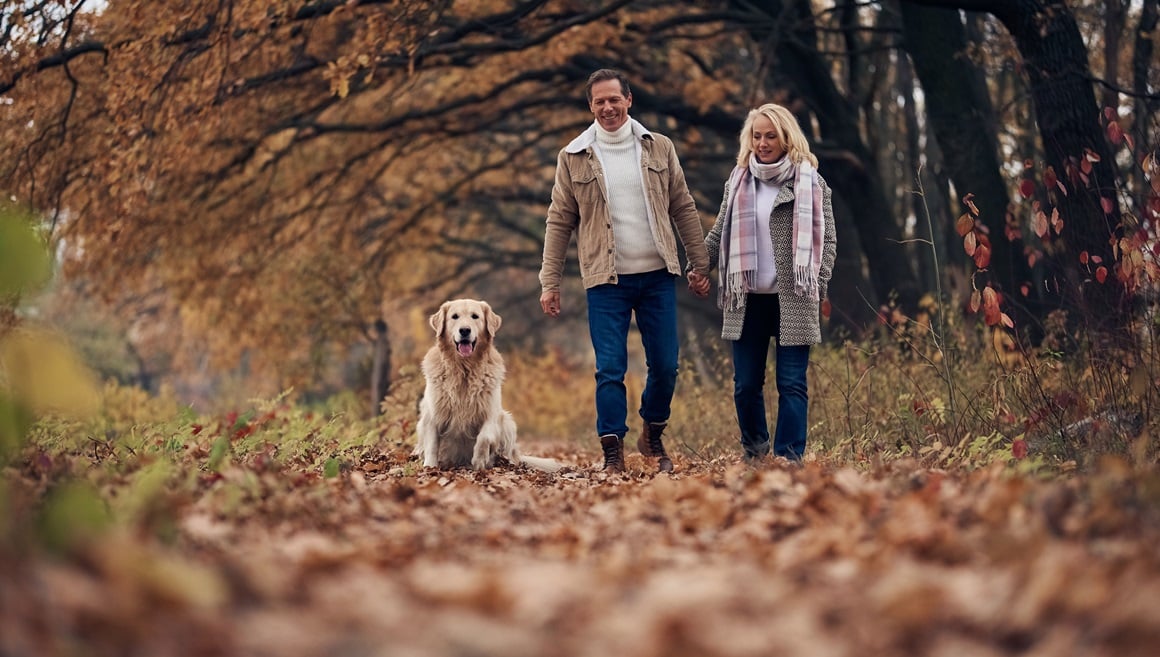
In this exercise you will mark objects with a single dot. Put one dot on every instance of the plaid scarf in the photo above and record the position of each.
(737, 264)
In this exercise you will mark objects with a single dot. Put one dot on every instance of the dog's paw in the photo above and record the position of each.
(480, 462)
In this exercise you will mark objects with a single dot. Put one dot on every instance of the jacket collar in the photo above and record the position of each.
(585, 140)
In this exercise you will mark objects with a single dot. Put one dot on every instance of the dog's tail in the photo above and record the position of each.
(540, 463)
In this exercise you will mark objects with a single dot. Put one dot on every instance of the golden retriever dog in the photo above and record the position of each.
(461, 416)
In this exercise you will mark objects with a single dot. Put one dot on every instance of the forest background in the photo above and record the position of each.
(227, 222)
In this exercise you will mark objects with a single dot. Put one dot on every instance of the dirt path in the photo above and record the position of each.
(719, 559)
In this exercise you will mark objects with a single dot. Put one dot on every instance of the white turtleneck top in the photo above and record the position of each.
(636, 250)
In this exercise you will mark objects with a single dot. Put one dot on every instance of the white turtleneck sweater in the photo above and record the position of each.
(765, 280)
(636, 249)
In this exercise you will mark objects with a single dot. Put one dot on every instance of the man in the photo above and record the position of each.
(621, 189)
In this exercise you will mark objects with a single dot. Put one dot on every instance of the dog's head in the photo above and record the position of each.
(465, 325)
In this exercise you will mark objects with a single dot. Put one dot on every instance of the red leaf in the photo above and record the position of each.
(1083, 257)
(969, 200)
(976, 301)
(1027, 187)
(1019, 448)
(1049, 178)
(1107, 204)
(982, 256)
(964, 224)
(1056, 221)
(1039, 223)
(991, 312)
(826, 308)
(1115, 133)
(969, 243)
(1102, 274)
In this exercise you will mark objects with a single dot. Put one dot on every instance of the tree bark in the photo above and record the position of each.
(960, 115)
(1055, 60)
(1114, 11)
(1144, 106)
(381, 369)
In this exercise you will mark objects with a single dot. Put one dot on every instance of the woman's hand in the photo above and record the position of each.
(698, 283)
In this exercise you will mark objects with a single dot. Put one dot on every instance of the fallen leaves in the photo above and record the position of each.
(717, 559)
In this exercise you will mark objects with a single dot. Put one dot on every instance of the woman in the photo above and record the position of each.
(774, 246)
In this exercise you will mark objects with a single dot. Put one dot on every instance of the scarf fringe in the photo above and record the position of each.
(731, 296)
(805, 282)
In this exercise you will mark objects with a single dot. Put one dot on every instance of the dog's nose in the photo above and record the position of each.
(464, 331)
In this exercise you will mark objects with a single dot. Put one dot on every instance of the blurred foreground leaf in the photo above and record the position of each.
(14, 424)
(73, 514)
(44, 375)
(24, 261)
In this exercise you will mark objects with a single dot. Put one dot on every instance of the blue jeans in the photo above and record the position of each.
(653, 297)
(750, 351)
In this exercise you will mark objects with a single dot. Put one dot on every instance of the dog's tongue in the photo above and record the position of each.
(465, 348)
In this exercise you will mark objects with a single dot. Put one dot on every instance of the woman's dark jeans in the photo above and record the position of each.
(750, 351)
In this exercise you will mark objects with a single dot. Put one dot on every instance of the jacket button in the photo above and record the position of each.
(610, 250)
(612, 278)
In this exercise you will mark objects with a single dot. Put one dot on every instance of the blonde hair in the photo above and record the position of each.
(788, 131)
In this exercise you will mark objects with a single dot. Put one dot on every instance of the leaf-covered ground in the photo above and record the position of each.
(716, 559)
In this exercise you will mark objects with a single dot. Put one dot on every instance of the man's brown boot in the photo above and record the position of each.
(650, 444)
(613, 446)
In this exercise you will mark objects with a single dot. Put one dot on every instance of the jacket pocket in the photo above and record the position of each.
(658, 179)
(586, 189)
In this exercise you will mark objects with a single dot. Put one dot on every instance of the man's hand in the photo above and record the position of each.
(550, 302)
(698, 283)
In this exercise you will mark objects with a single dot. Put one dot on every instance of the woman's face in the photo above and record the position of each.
(767, 145)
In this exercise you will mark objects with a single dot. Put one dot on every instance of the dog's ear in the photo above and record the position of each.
(437, 320)
(493, 320)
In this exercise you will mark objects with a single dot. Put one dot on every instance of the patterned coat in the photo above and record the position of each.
(800, 321)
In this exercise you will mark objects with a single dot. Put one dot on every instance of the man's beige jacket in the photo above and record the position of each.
(580, 205)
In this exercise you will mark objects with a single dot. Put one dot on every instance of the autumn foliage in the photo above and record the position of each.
(236, 191)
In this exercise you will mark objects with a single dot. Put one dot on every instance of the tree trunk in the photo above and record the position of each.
(1143, 106)
(1114, 11)
(381, 369)
(960, 115)
(1056, 63)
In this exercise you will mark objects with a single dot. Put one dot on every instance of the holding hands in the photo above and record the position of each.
(698, 283)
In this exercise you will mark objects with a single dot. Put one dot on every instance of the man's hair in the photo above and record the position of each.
(606, 74)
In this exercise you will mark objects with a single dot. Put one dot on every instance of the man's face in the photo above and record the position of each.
(609, 105)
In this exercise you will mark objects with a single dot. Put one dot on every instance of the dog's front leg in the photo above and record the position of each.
(484, 455)
(427, 443)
